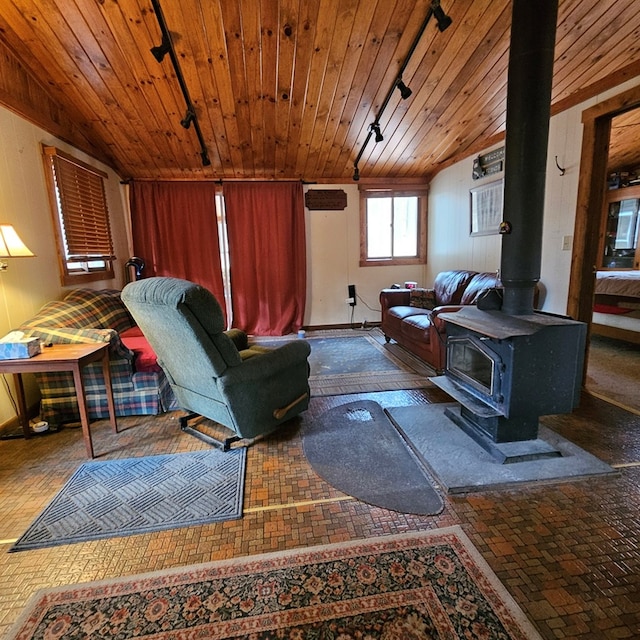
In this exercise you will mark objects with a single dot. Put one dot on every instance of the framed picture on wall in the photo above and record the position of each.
(486, 208)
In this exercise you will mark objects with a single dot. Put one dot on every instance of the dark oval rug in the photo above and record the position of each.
(356, 449)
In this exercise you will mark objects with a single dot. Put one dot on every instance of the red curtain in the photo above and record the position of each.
(175, 232)
(267, 254)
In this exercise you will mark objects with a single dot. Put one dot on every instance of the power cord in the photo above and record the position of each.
(364, 326)
(366, 305)
(36, 425)
(8, 390)
(10, 436)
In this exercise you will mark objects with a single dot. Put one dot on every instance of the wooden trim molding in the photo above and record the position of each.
(590, 202)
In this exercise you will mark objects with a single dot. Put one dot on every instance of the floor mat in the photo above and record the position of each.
(139, 495)
(356, 449)
(431, 584)
(344, 362)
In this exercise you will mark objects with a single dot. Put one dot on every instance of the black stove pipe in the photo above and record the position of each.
(530, 76)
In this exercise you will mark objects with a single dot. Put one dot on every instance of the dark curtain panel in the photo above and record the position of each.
(267, 253)
(175, 232)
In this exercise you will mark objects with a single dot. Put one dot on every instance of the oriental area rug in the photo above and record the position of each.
(353, 361)
(129, 496)
(431, 584)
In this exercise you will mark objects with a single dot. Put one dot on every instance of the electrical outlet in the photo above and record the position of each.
(567, 243)
(351, 289)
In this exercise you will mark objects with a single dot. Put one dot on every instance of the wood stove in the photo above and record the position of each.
(506, 371)
(508, 364)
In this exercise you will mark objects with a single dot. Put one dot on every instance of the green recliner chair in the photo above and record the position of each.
(214, 373)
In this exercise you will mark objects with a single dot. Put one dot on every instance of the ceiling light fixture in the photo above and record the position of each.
(405, 92)
(375, 127)
(189, 117)
(162, 49)
(444, 21)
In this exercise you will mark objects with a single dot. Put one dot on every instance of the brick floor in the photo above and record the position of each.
(568, 552)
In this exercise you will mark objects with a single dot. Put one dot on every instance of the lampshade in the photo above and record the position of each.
(10, 244)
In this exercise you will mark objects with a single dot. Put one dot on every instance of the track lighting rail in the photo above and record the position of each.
(159, 52)
(435, 10)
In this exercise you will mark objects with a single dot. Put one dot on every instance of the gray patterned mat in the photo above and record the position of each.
(138, 495)
(348, 361)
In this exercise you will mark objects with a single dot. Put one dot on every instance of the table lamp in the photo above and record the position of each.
(11, 246)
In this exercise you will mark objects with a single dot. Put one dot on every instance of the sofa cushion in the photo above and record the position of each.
(450, 285)
(480, 283)
(400, 313)
(145, 356)
(417, 327)
(104, 305)
(422, 298)
(60, 313)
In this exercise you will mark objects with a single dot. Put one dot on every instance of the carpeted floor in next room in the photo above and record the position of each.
(567, 552)
(613, 371)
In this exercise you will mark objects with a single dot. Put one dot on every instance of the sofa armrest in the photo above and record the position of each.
(239, 338)
(394, 298)
(70, 335)
(437, 322)
(265, 365)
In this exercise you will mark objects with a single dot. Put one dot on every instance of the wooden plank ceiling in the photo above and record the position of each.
(289, 88)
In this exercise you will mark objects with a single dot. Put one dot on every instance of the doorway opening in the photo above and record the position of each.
(609, 151)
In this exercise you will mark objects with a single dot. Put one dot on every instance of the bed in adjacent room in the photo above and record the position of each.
(616, 311)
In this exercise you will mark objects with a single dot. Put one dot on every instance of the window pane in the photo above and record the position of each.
(405, 227)
(379, 227)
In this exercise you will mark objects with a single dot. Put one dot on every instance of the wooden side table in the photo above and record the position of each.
(64, 357)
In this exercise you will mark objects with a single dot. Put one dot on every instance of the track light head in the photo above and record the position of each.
(205, 158)
(443, 19)
(162, 49)
(356, 173)
(189, 117)
(405, 92)
(375, 127)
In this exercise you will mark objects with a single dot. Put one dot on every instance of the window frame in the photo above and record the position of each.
(77, 269)
(381, 191)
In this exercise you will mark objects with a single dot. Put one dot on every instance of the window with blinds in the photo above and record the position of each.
(81, 217)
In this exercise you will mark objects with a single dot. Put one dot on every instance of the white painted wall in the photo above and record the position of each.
(30, 282)
(333, 263)
(451, 246)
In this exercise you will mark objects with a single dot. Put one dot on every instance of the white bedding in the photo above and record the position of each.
(628, 321)
(610, 287)
(618, 283)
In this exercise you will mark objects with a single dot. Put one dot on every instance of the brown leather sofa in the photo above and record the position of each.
(410, 316)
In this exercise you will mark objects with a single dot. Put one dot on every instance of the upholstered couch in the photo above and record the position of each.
(139, 385)
(410, 316)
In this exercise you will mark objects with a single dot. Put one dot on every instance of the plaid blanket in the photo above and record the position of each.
(85, 315)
